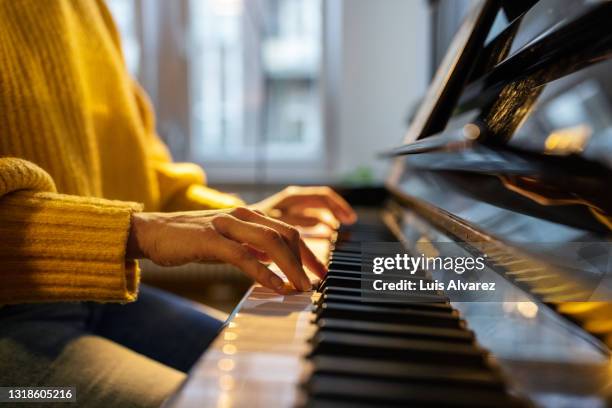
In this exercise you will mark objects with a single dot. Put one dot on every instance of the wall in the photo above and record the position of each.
(384, 72)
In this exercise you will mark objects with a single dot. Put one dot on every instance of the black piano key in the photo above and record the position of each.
(349, 261)
(363, 391)
(414, 373)
(397, 330)
(365, 236)
(334, 310)
(349, 251)
(331, 403)
(359, 274)
(412, 297)
(376, 231)
(345, 265)
(337, 252)
(375, 348)
(345, 257)
(348, 246)
(365, 268)
(364, 224)
(357, 280)
(363, 282)
(379, 301)
(416, 351)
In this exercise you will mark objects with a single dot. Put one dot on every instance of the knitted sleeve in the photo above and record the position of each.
(57, 247)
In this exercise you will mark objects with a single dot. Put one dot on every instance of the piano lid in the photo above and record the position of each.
(532, 133)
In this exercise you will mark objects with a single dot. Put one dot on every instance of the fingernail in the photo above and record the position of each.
(306, 287)
(277, 283)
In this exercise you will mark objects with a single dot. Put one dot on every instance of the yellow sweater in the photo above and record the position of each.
(78, 151)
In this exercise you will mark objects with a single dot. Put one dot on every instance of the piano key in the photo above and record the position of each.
(348, 246)
(332, 403)
(348, 251)
(397, 330)
(370, 278)
(326, 387)
(378, 347)
(380, 301)
(345, 265)
(334, 271)
(408, 297)
(364, 282)
(339, 252)
(387, 315)
(415, 373)
(346, 257)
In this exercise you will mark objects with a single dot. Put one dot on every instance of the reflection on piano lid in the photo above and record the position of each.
(533, 133)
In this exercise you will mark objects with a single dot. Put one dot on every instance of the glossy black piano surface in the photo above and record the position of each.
(519, 157)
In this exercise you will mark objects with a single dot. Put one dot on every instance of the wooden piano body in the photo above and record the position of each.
(509, 156)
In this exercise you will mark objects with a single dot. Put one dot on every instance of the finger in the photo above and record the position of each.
(350, 215)
(236, 254)
(324, 215)
(260, 256)
(290, 234)
(300, 220)
(346, 207)
(267, 240)
(303, 220)
(321, 198)
(312, 262)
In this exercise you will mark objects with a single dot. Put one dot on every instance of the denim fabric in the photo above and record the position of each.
(132, 355)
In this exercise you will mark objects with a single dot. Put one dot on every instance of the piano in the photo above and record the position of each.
(509, 157)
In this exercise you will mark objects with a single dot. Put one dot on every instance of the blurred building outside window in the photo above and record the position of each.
(253, 77)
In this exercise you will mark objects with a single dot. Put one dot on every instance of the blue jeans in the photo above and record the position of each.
(132, 355)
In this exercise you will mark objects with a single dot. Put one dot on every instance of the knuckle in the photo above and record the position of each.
(293, 234)
(271, 235)
(242, 256)
(221, 220)
(241, 212)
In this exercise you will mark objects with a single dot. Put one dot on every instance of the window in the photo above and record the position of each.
(254, 74)
(236, 83)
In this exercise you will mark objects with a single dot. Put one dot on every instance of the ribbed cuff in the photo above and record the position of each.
(65, 248)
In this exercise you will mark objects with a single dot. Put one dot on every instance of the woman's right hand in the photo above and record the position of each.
(240, 236)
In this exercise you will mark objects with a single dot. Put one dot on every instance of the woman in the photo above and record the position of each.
(86, 188)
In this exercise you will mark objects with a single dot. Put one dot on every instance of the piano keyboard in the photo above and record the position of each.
(339, 347)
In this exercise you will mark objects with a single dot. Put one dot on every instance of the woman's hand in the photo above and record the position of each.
(241, 236)
(298, 205)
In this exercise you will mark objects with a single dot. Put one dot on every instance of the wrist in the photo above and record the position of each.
(138, 224)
